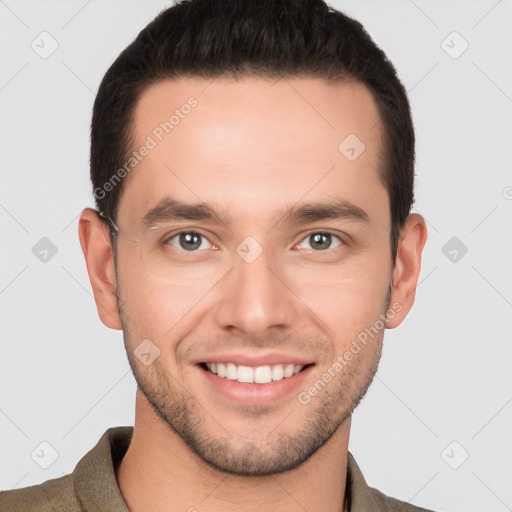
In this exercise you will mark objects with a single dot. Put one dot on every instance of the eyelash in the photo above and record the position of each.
(168, 238)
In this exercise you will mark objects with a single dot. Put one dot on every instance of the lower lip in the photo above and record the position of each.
(246, 393)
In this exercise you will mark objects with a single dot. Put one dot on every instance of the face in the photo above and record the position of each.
(290, 263)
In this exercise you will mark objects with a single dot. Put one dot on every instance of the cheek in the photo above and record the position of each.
(159, 310)
(347, 298)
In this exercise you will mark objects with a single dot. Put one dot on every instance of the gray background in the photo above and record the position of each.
(443, 390)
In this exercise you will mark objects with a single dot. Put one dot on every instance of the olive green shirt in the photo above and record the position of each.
(92, 486)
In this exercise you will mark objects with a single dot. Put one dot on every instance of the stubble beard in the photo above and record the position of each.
(232, 452)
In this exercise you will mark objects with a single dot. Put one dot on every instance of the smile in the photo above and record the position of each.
(258, 375)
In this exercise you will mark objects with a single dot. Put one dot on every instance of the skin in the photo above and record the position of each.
(252, 147)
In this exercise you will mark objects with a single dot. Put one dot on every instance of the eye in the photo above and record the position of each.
(321, 241)
(189, 241)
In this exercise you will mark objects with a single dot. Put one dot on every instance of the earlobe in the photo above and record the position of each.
(408, 265)
(93, 235)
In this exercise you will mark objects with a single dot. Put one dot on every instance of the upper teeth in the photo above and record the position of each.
(259, 374)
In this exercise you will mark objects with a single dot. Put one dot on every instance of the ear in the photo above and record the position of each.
(408, 265)
(95, 243)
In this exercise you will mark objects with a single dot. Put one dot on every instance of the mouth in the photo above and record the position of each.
(254, 374)
(254, 385)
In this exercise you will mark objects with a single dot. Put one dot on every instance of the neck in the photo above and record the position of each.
(160, 472)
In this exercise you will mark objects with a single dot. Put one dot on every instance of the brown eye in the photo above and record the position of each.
(189, 241)
(321, 241)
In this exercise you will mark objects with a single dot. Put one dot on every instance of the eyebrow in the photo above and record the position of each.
(169, 210)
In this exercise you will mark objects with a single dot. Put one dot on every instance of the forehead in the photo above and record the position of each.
(254, 145)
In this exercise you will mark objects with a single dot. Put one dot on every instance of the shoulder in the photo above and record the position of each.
(91, 486)
(389, 504)
(56, 495)
(364, 498)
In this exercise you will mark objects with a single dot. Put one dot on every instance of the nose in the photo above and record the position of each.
(256, 299)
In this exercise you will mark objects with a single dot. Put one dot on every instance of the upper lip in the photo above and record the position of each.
(259, 358)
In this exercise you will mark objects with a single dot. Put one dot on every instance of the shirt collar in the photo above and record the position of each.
(94, 476)
(97, 489)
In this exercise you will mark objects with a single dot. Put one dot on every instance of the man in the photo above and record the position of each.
(253, 168)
